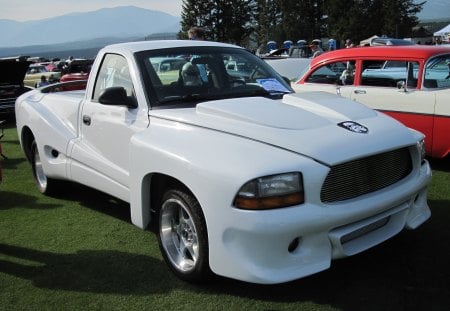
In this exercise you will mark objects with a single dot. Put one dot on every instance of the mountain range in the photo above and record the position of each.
(118, 22)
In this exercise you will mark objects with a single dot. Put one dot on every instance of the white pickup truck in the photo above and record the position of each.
(244, 178)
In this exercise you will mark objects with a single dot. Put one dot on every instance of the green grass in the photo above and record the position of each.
(79, 251)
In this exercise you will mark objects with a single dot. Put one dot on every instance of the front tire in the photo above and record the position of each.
(44, 184)
(183, 237)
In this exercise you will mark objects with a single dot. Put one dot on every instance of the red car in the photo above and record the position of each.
(409, 83)
(77, 69)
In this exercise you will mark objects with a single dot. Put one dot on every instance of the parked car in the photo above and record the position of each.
(35, 73)
(242, 177)
(168, 68)
(77, 69)
(12, 73)
(409, 83)
(390, 41)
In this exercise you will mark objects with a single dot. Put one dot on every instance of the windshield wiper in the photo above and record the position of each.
(183, 98)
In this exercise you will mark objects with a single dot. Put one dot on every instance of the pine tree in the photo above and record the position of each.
(260, 21)
(360, 19)
(223, 20)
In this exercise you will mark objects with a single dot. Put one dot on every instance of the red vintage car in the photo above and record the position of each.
(77, 69)
(409, 83)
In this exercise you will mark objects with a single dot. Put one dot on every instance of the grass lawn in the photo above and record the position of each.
(79, 251)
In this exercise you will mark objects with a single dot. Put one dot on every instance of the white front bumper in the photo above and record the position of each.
(259, 247)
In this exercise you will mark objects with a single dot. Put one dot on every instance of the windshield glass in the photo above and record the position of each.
(437, 72)
(203, 73)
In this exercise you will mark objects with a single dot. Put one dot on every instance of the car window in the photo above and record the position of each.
(389, 73)
(334, 73)
(36, 69)
(113, 72)
(437, 72)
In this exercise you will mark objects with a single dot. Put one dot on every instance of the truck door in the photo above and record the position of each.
(101, 155)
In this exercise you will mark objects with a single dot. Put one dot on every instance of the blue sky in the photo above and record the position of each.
(24, 10)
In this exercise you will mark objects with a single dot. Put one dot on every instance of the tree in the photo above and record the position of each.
(194, 13)
(298, 19)
(281, 20)
(260, 21)
(360, 19)
(223, 20)
(267, 16)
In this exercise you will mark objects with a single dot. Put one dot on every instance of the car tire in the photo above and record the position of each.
(44, 184)
(183, 237)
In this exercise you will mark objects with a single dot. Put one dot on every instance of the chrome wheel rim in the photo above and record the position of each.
(41, 179)
(179, 235)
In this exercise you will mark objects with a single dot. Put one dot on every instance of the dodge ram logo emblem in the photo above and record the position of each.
(354, 127)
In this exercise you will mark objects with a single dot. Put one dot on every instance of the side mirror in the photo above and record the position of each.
(117, 96)
(401, 85)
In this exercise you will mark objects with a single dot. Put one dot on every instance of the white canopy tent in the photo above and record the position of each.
(444, 33)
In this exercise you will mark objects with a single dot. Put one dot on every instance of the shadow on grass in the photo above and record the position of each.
(11, 163)
(408, 272)
(11, 200)
(440, 164)
(94, 200)
(86, 271)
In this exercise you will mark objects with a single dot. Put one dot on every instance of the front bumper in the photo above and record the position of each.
(281, 245)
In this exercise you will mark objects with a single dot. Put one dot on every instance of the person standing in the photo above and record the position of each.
(315, 48)
(349, 44)
(196, 33)
(43, 82)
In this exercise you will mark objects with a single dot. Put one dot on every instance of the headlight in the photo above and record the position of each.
(421, 150)
(273, 191)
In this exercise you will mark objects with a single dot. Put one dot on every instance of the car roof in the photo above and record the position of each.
(134, 47)
(399, 51)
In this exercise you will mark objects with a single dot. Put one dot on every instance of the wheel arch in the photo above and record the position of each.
(27, 138)
(153, 187)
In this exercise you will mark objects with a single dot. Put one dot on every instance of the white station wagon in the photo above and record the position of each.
(242, 177)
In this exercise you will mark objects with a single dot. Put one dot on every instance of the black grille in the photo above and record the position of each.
(352, 179)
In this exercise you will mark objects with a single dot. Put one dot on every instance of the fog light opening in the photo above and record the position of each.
(55, 153)
(293, 245)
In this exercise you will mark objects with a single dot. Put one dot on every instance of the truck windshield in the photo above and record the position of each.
(204, 73)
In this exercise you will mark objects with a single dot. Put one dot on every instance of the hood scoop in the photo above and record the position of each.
(262, 111)
(294, 112)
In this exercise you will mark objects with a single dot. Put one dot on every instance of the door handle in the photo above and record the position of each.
(87, 120)
(359, 91)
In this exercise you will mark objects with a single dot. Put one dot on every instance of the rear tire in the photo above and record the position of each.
(183, 237)
(44, 184)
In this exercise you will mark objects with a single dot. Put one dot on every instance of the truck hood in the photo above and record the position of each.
(326, 127)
